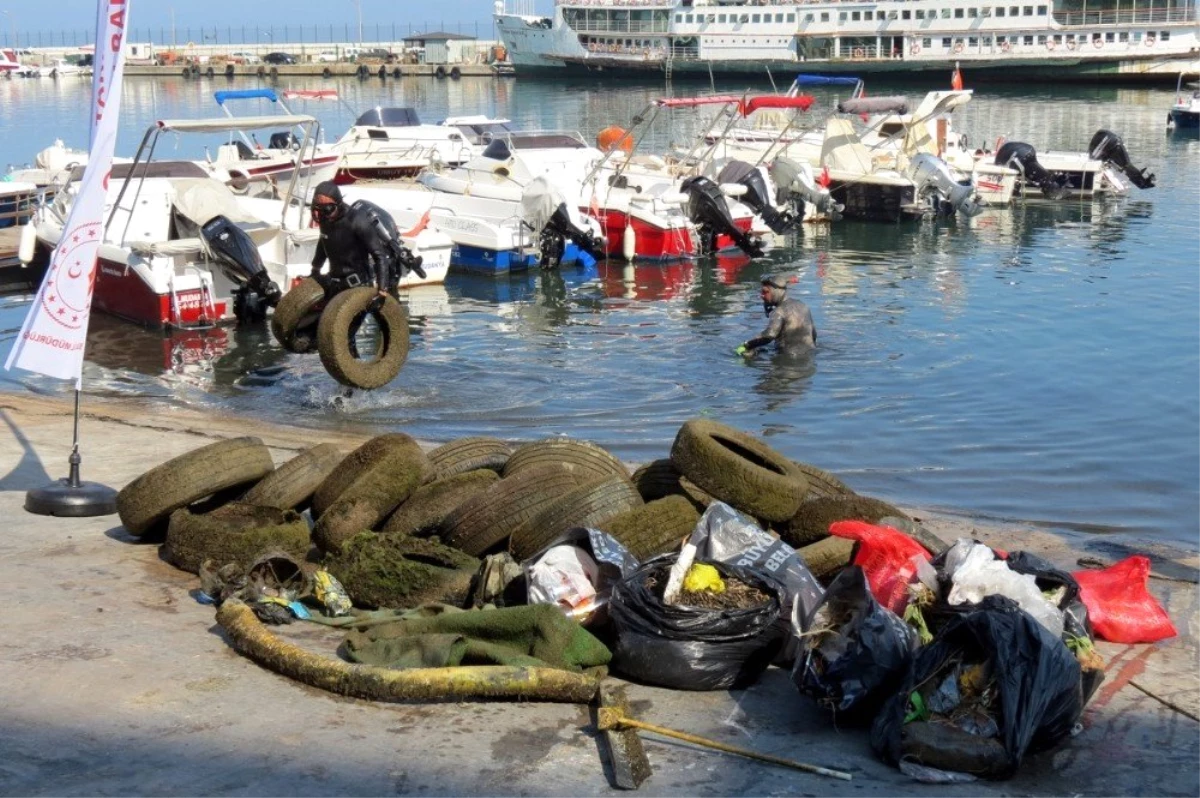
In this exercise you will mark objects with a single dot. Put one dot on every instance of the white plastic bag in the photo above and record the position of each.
(567, 576)
(975, 572)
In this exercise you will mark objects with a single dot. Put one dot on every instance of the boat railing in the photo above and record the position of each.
(621, 26)
(1152, 15)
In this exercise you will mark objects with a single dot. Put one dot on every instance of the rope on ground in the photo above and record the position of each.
(253, 640)
(1164, 702)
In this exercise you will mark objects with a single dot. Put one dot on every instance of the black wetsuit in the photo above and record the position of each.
(789, 325)
(357, 250)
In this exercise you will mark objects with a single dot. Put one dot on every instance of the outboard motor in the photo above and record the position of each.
(758, 196)
(1023, 157)
(1107, 146)
(544, 211)
(706, 207)
(795, 180)
(235, 253)
(932, 176)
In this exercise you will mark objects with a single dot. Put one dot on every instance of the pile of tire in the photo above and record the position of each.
(304, 322)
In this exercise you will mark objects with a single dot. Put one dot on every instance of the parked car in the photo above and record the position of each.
(245, 58)
(375, 54)
(327, 57)
(279, 58)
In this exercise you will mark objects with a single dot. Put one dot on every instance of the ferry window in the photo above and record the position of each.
(945, 13)
(1124, 37)
(987, 41)
(1108, 37)
(927, 43)
(679, 17)
(892, 15)
(1029, 11)
(972, 42)
(972, 13)
(842, 16)
(906, 14)
(878, 14)
(920, 13)
(1041, 11)
(1029, 40)
(807, 17)
(723, 18)
(792, 17)
(779, 17)
(1041, 40)
(1014, 11)
(689, 18)
(986, 12)
(856, 16)
(1137, 36)
(745, 18)
(958, 13)
(1000, 11)
(824, 16)
(1164, 35)
(757, 18)
(946, 42)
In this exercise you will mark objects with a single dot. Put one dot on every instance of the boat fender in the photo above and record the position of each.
(187, 72)
(383, 73)
(629, 241)
(455, 73)
(28, 245)
(274, 73)
(397, 73)
(229, 70)
(440, 72)
(327, 73)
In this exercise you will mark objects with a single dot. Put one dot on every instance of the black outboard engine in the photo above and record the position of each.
(545, 212)
(1023, 158)
(757, 196)
(238, 258)
(283, 140)
(1107, 146)
(706, 207)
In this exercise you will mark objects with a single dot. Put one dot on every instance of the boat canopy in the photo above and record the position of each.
(245, 94)
(225, 125)
(874, 105)
(801, 101)
(692, 102)
(310, 94)
(389, 117)
(825, 80)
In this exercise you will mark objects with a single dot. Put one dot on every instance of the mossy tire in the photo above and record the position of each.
(812, 519)
(341, 316)
(401, 572)
(425, 511)
(486, 521)
(583, 457)
(826, 557)
(654, 528)
(589, 505)
(657, 479)
(739, 469)
(236, 533)
(699, 497)
(162, 490)
(822, 483)
(294, 320)
(381, 457)
(469, 454)
(293, 484)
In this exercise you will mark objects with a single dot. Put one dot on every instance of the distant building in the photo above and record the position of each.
(440, 47)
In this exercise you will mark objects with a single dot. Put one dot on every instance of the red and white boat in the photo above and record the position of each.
(10, 64)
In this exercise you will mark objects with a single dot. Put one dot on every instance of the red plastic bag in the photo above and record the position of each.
(1120, 607)
(886, 557)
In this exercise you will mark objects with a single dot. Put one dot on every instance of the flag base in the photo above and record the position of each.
(79, 500)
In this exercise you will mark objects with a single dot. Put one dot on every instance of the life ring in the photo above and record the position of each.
(1150, 40)
(915, 49)
(1070, 44)
(1097, 43)
(958, 48)
(440, 72)
(1006, 47)
(858, 52)
(274, 73)
(455, 73)
(239, 181)
(1050, 44)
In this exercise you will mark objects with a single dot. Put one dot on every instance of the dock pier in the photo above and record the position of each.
(318, 70)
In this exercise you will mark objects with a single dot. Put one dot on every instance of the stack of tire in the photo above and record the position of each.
(303, 322)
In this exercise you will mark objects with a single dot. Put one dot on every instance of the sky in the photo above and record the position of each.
(27, 16)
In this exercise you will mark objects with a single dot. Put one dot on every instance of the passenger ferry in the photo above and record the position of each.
(1059, 39)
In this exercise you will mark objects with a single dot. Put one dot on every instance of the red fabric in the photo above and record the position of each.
(886, 557)
(956, 81)
(1120, 607)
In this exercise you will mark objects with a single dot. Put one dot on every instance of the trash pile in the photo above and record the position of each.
(483, 569)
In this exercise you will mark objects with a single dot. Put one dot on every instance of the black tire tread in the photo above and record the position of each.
(657, 479)
(822, 483)
(584, 457)
(333, 341)
(380, 452)
(469, 454)
(589, 505)
(226, 464)
(293, 484)
(425, 511)
(293, 308)
(487, 520)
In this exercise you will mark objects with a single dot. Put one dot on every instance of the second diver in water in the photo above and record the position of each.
(789, 321)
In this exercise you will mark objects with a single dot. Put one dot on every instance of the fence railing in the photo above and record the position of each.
(1127, 16)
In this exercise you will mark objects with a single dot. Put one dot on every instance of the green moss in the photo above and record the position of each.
(811, 522)
(399, 571)
(423, 512)
(236, 533)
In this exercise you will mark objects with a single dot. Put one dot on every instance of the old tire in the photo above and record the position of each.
(274, 73)
(932, 543)
(583, 457)
(589, 505)
(440, 72)
(455, 73)
(293, 484)
(335, 344)
(822, 483)
(811, 521)
(294, 321)
(699, 498)
(237, 533)
(397, 73)
(654, 528)
(739, 469)
(486, 521)
(425, 511)
(657, 479)
(376, 459)
(401, 572)
(826, 557)
(217, 467)
(469, 454)
(327, 73)
(230, 71)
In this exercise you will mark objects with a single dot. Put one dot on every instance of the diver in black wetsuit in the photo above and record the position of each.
(360, 242)
(789, 321)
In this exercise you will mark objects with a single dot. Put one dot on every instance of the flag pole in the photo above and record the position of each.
(70, 497)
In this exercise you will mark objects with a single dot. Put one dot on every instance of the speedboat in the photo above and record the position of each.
(1103, 170)
(1185, 113)
(181, 250)
(10, 64)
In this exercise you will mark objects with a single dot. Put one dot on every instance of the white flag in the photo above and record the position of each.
(55, 331)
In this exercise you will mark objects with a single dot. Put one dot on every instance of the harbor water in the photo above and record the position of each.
(1037, 364)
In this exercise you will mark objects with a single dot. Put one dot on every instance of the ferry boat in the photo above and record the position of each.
(1059, 39)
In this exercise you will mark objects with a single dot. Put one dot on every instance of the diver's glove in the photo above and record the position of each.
(741, 350)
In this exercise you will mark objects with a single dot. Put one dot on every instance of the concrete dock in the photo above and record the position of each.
(118, 682)
(317, 70)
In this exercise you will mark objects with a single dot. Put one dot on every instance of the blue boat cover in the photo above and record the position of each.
(245, 94)
(823, 80)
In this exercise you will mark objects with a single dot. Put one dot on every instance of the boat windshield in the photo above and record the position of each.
(389, 117)
(478, 133)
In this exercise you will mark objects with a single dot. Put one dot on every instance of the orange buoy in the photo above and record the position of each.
(614, 138)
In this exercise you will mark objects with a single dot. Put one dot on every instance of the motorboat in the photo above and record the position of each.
(66, 67)
(1185, 113)
(181, 250)
(10, 65)
(1103, 170)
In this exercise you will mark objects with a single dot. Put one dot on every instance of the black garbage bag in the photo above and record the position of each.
(854, 652)
(1037, 700)
(688, 648)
